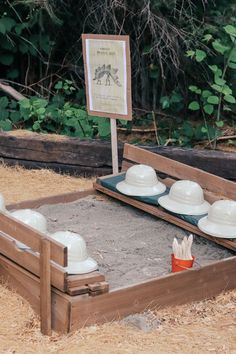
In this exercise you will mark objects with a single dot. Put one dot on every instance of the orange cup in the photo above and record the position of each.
(180, 264)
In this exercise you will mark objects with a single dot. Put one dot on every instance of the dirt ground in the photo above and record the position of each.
(204, 327)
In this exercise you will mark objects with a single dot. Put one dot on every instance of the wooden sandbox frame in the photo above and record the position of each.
(77, 301)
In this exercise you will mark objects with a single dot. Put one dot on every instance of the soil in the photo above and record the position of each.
(197, 328)
(129, 245)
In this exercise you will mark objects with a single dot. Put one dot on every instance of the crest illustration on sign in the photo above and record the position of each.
(107, 75)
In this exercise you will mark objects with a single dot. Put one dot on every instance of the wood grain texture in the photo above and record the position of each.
(174, 289)
(45, 288)
(161, 213)
(59, 198)
(28, 286)
(30, 261)
(32, 238)
(181, 171)
(74, 281)
(93, 157)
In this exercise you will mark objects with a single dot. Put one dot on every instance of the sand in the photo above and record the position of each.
(129, 245)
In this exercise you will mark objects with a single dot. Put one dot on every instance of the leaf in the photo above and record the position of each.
(213, 68)
(219, 81)
(13, 74)
(217, 88)
(5, 125)
(25, 103)
(231, 30)
(207, 37)
(200, 55)
(6, 59)
(190, 53)
(219, 47)
(193, 88)
(208, 108)
(229, 98)
(3, 102)
(213, 99)
(232, 65)
(226, 90)
(8, 23)
(194, 106)
(165, 102)
(220, 123)
(104, 128)
(15, 116)
(206, 93)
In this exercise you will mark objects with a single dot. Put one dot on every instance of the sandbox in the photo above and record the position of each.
(129, 245)
(132, 247)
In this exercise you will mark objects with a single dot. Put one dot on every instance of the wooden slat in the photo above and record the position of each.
(174, 289)
(161, 213)
(45, 288)
(30, 261)
(60, 198)
(32, 238)
(181, 171)
(74, 281)
(28, 286)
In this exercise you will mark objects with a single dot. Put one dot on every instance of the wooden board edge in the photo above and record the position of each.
(171, 290)
(55, 199)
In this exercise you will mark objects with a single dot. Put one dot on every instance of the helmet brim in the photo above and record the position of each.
(216, 229)
(181, 208)
(87, 266)
(135, 191)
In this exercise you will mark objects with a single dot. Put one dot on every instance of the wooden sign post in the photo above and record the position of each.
(108, 81)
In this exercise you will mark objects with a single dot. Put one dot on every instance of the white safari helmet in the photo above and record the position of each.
(32, 218)
(141, 181)
(78, 260)
(2, 204)
(221, 219)
(185, 197)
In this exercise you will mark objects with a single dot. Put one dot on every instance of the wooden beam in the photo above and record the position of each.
(181, 171)
(45, 288)
(32, 238)
(171, 290)
(55, 199)
(161, 213)
(30, 261)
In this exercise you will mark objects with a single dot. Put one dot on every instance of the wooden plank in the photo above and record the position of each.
(98, 288)
(219, 163)
(45, 288)
(181, 171)
(55, 199)
(93, 157)
(174, 289)
(32, 238)
(62, 149)
(74, 281)
(79, 290)
(74, 170)
(28, 286)
(30, 261)
(161, 213)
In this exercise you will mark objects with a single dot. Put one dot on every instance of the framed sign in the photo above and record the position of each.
(107, 75)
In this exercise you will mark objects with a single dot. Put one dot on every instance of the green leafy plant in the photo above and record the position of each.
(217, 96)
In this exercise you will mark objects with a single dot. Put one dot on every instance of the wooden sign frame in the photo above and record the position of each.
(102, 37)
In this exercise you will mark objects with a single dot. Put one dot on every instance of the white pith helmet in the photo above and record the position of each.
(32, 218)
(141, 181)
(221, 219)
(185, 197)
(78, 260)
(2, 204)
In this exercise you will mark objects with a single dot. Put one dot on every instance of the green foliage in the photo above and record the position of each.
(216, 96)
